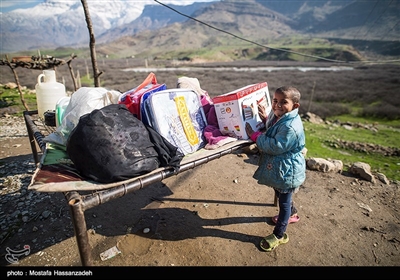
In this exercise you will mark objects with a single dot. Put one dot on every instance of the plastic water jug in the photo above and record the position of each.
(48, 92)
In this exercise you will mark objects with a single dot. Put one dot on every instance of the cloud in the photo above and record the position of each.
(9, 5)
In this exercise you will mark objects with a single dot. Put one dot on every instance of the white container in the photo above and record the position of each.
(48, 92)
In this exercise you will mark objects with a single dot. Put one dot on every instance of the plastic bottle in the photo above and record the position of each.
(60, 109)
(48, 92)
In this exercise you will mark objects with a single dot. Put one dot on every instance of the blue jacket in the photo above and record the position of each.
(282, 164)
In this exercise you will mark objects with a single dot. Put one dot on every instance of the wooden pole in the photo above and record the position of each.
(96, 73)
(312, 94)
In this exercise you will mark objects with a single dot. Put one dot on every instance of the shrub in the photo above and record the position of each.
(382, 110)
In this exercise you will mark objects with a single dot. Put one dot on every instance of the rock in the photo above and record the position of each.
(338, 165)
(364, 206)
(382, 177)
(10, 85)
(324, 165)
(251, 149)
(8, 111)
(312, 118)
(46, 214)
(363, 170)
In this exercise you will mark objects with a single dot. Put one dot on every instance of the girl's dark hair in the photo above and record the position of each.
(290, 92)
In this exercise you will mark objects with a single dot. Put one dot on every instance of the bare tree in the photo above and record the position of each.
(72, 72)
(96, 73)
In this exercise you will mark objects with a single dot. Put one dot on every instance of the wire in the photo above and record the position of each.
(391, 29)
(366, 33)
(255, 43)
(376, 3)
(249, 41)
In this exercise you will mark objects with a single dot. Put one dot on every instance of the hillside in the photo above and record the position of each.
(219, 31)
(230, 30)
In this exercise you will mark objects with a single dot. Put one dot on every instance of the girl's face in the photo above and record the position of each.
(282, 105)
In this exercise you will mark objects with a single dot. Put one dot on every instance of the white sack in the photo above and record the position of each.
(83, 101)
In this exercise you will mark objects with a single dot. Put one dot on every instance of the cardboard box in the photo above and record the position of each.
(235, 108)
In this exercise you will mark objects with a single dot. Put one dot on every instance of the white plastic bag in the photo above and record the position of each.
(83, 101)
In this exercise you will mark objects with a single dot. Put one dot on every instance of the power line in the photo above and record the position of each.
(278, 49)
(249, 41)
(370, 12)
(366, 33)
(394, 26)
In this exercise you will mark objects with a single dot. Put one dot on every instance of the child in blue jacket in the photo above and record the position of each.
(282, 164)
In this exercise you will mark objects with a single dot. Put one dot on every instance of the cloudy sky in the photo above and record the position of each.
(9, 5)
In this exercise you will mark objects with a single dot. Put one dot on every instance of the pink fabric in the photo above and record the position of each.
(213, 135)
(211, 132)
(255, 135)
(211, 115)
(205, 99)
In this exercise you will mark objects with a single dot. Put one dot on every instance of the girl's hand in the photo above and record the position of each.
(262, 113)
(249, 129)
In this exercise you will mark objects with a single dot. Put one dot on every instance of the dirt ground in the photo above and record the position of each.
(216, 215)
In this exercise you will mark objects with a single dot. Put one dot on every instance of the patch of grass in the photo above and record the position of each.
(11, 97)
(87, 81)
(319, 136)
(379, 122)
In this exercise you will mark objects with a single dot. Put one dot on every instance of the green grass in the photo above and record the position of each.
(11, 97)
(87, 81)
(321, 139)
(354, 119)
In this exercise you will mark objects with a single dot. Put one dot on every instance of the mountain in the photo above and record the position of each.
(259, 21)
(371, 20)
(246, 18)
(53, 23)
(152, 17)
(133, 27)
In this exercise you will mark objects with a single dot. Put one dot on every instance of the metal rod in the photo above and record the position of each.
(101, 197)
(80, 228)
(34, 134)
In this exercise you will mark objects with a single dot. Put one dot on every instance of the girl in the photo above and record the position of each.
(281, 165)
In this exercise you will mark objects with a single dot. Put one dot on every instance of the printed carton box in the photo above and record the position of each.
(234, 109)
